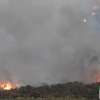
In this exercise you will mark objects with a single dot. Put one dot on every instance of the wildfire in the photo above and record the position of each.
(6, 86)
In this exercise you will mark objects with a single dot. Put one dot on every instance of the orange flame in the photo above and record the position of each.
(7, 86)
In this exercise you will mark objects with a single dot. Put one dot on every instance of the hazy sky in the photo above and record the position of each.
(48, 41)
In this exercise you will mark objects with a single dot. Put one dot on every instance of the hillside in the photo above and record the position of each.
(68, 90)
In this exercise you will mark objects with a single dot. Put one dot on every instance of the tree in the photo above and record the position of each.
(35, 94)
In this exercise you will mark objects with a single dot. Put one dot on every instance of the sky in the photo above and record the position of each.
(48, 41)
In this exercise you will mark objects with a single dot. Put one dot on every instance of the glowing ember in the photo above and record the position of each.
(60, 38)
(93, 14)
(95, 7)
(7, 86)
(84, 20)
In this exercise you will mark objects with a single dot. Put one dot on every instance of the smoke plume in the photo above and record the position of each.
(48, 41)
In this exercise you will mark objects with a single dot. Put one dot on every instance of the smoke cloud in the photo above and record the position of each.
(47, 41)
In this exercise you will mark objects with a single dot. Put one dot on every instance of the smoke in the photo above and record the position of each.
(47, 41)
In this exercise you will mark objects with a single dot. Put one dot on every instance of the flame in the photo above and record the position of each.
(7, 86)
(95, 73)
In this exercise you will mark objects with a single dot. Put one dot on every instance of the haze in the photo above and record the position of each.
(47, 41)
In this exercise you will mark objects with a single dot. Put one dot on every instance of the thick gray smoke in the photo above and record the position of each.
(48, 41)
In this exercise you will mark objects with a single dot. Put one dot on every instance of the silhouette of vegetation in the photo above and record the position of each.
(70, 90)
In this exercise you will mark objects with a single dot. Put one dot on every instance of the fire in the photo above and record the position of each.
(95, 73)
(6, 86)
(9, 86)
